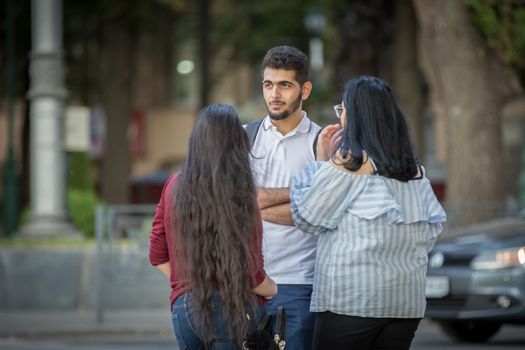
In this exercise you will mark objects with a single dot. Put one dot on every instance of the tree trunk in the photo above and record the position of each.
(151, 77)
(117, 99)
(204, 51)
(460, 73)
(362, 37)
(406, 79)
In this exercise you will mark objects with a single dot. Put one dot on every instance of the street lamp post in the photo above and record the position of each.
(47, 95)
(315, 23)
(11, 173)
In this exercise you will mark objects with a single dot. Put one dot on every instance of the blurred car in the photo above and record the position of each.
(476, 279)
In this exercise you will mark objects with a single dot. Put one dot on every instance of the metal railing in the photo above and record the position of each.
(128, 223)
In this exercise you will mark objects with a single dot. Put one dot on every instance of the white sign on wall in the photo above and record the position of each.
(77, 129)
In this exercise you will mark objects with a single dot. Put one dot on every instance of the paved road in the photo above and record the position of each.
(100, 343)
(428, 338)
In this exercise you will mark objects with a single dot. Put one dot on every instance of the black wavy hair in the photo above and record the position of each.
(375, 124)
(288, 58)
(215, 219)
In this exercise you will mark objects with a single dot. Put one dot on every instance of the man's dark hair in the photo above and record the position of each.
(288, 58)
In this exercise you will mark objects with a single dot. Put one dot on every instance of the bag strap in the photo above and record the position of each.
(280, 328)
(315, 142)
(264, 323)
(252, 129)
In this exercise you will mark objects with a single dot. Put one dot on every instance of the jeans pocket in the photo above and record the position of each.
(178, 334)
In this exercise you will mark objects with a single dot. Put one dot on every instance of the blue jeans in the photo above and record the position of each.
(299, 320)
(185, 327)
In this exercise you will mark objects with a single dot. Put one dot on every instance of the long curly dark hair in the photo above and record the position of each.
(215, 219)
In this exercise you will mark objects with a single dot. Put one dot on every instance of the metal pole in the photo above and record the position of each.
(11, 172)
(47, 95)
(100, 222)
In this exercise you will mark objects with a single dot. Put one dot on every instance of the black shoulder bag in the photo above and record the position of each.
(262, 338)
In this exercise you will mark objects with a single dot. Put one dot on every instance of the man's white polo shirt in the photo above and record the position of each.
(289, 253)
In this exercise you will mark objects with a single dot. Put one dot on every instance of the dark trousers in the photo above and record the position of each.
(334, 332)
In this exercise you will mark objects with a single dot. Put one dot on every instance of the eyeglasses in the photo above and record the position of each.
(338, 110)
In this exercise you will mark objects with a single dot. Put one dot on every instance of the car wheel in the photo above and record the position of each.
(470, 331)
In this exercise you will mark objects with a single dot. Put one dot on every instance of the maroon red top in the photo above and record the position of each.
(161, 239)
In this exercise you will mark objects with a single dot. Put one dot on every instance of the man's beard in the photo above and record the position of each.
(293, 107)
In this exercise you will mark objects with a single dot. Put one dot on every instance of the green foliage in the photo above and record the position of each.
(18, 241)
(80, 174)
(502, 23)
(81, 197)
(137, 14)
(250, 28)
(24, 215)
(82, 205)
(175, 5)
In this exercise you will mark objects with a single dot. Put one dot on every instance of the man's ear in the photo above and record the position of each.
(307, 89)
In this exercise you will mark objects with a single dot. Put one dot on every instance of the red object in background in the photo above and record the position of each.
(142, 193)
(137, 133)
(148, 188)
(439, 189)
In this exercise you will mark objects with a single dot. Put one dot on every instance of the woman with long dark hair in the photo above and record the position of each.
(207, 235)
(377, 218)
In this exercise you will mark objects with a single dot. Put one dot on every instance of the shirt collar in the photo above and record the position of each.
(303, 128)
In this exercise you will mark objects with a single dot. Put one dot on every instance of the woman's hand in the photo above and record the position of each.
(328, 141)
(267, 288)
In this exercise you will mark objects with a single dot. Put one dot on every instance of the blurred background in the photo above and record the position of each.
(98, 99)
(135, 73)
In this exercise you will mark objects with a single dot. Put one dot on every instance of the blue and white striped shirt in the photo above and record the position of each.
(375, 235)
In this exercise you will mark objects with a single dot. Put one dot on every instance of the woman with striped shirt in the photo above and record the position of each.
(377, 218)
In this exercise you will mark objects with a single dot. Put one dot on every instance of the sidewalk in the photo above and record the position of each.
(72, 323)
(76, 323)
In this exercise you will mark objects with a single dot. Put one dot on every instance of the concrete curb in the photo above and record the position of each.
(76, 323)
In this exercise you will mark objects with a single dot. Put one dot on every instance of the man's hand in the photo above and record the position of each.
(278, 214)
(268, 197)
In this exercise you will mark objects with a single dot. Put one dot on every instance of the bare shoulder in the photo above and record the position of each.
(365, 169)
(419, 174)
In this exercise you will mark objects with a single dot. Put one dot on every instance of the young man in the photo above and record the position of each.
(283, 145)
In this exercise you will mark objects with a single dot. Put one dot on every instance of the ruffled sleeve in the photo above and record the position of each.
(436, 218)
(320, 196)
(401, 202)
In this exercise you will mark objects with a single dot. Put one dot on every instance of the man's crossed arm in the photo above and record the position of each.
(274, 204)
